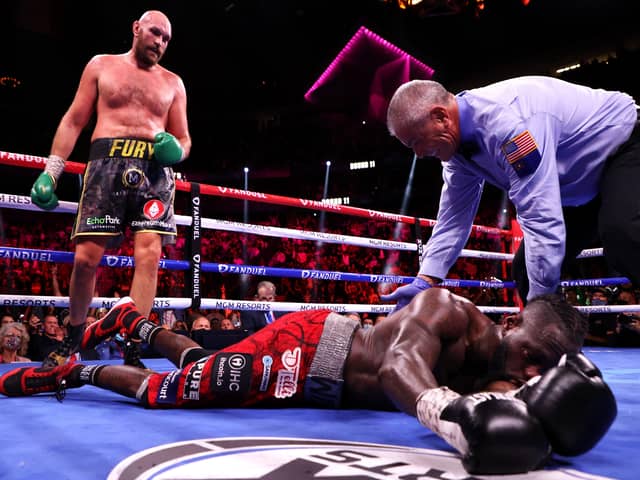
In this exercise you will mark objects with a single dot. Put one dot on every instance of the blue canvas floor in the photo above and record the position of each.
(92, 431)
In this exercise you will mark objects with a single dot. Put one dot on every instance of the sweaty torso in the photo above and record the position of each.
(132, 101)
(462, 356)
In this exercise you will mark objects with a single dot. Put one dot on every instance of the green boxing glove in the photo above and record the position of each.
(166, 149)
(43, 192)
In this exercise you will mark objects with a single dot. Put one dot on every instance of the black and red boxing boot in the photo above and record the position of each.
(27, 381)
(123, 317)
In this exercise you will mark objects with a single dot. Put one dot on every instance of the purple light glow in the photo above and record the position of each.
(367, 65)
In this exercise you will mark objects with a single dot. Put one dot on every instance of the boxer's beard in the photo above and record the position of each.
(498, 361)
(143, 56)
(495, 369)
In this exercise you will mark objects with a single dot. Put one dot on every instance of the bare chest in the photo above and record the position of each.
(130, 88)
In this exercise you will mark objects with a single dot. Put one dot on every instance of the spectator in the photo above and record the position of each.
(602, 326)
(34, 325)
(7, 318)
(628, 327)
(367, 323)
(215, 318)
(41, 344)
(200, 322)
(14, 343)
(571, 296)
(379, 318)
(180, 327)
(226, 324)
(254, 320)
(234, 316)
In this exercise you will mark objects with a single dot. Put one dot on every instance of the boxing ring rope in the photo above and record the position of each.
(14, 253)
(24, 203)
(164, 303)
(32, 161)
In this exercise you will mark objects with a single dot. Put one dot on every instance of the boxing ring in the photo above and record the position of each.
(98, 434)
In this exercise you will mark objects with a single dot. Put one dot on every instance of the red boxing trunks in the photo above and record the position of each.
(123, 187)
(297, 360)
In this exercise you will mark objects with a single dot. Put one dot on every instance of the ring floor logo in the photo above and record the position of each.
(277, 458)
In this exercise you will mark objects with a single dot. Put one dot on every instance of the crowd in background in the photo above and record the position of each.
(27, 277)
(44, 327)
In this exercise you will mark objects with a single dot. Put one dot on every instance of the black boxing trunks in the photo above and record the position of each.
(123, 187)
(297, 360)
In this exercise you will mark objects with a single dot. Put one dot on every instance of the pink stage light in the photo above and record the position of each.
(365, 74)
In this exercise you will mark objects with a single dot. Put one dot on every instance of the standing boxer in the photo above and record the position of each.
(140, 132)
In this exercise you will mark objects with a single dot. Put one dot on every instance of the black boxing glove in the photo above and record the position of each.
(573, 403)
(494, 432)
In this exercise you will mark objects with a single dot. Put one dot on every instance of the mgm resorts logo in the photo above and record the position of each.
(300, 459)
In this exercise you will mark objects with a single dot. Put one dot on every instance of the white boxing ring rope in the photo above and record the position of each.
(32, 161)
(24, 203)
(163, 303)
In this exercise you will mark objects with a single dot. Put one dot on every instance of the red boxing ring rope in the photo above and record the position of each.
(32, 161)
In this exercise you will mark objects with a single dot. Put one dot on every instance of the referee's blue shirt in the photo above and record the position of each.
(545, 142)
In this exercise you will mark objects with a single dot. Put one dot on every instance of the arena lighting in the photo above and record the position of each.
(322, 220)
(406, 197)
(391, 261)
(325, 192)
(503, 212)
(362, 165)
(244, 279)
(570, 67)
(363, 76)
(246, 202)
(404, 4)
(9, 81)
(337, 201)
(432, 8)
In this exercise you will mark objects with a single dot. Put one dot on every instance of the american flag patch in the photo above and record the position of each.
(519, 147)
(522, 153)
